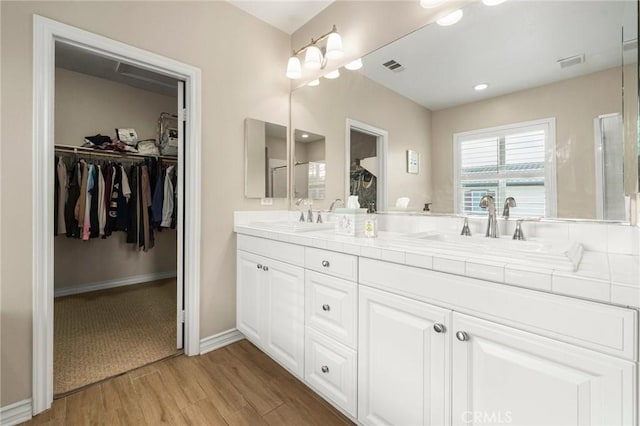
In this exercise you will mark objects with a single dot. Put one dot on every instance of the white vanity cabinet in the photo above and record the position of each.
(270, 308)
(403, 361)
(501, 375)
(331, 317)
(498, 373)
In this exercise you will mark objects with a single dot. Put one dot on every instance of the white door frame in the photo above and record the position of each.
(382, 141)
(45, 33)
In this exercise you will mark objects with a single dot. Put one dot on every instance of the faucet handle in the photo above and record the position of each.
(301, 216)
(518, 234)
(465, 228)
(319, 217)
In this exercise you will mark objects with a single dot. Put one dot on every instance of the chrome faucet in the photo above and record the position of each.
(518, 234)
(487, 202)
(510, 202)
(334, 202)
(298, 201)
(309, 203)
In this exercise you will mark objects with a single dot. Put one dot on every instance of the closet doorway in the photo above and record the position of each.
(117, 297)
(366, 164)
(171, 278)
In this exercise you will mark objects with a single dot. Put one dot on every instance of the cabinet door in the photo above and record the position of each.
(507, 376)
(284, 315)
(250, 296)
(403, 362)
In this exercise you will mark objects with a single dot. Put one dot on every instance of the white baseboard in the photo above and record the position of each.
(220, 340)
(102, 285)
(16, 413)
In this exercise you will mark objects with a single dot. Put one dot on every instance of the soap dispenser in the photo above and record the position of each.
(371, 223)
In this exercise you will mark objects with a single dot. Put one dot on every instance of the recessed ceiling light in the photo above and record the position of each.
(451, 18)
(428, 4)
(315, 82)
(332, 74)
(304, 135)
(481, 86)
(492, 2)
(354, 65)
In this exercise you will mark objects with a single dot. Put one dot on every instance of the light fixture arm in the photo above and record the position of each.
(314, 42)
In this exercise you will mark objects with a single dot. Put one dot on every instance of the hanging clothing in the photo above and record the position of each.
(102, 208)
(146, 209)
(82, 198)
(73, 195)
(168, 199)
(62, 187)
(86, 224)
(158, 201)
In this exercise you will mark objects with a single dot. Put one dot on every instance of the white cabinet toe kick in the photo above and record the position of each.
(391, 344)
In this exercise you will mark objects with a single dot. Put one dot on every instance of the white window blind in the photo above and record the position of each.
(511, 161)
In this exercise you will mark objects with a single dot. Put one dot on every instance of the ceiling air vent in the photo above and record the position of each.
(571, 61)
(394, 66)
(630, 45)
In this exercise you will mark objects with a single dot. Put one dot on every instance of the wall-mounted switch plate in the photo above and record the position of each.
(266, 201)
(413, 161)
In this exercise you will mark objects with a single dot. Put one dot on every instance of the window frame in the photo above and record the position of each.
(548, 125)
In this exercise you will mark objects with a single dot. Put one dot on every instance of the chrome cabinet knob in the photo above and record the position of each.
(259, 266)
(265, 268)
(325, 263)
(462, 336)
(439, 328)
(326, 308)
(325, 369)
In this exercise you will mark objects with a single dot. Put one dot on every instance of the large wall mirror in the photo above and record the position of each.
(266, 168)
(555, 126)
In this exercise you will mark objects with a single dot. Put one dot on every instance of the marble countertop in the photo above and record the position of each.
(604, 277)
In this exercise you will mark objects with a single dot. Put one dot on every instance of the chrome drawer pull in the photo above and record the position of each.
(259, 266)
(439, 328)
(462, 336)
(325, 263)
(325, 369)
(265, 268)
(326, 308)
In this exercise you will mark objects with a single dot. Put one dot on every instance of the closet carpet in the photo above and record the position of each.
(108, 332)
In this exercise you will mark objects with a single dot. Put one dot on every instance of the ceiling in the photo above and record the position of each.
(80, 60)
(512, 46)
(287, 16)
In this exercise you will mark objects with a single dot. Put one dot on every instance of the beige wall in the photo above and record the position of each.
(217, 36)
(324, 110)
(574, 103)
(87, 105)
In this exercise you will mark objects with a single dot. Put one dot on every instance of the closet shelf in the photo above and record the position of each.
(111, 154)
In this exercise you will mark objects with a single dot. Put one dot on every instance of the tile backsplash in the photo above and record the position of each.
(594, 236)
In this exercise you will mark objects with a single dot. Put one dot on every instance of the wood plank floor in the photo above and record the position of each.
(235, 385)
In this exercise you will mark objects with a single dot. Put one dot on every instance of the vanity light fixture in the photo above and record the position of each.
(313, 83)
(354, 65)
(451, 18)
(492, 2)
(331, 75)
(316, 56)
(481, 86)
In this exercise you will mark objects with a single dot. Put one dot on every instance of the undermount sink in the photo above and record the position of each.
(560, 255)
(294, 226)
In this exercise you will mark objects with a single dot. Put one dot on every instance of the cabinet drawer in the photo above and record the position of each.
(329, 262)
(604, 328)
(331, 369)
(331, 306)
(285, 252)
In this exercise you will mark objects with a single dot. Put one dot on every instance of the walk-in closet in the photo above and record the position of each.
(117, 300)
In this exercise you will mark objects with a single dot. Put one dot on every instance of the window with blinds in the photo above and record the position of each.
(510, 161)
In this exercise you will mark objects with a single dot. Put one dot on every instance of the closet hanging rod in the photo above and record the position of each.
(112, 154)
